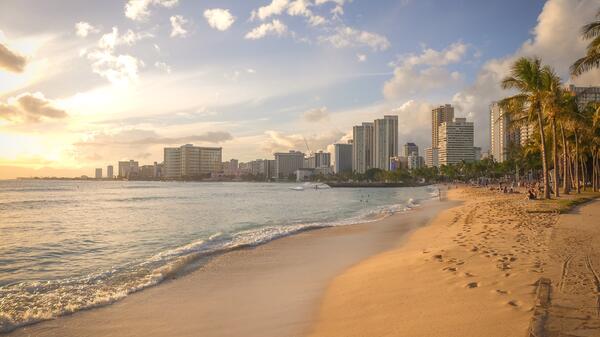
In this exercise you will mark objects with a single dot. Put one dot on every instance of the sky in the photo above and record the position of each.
(86, 83)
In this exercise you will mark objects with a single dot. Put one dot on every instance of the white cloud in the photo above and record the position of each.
(275, 27)
(113, 39)
(556, 40)
(345, 36)
(139, 10)
(178, 23)
(316, 114)
(118, 69)
(415, 74)
(83, 29)
(361, 57)
(276, 7)
(10, 60)
(220, 19)
(30, 108)
(280, 142)
(163, 66)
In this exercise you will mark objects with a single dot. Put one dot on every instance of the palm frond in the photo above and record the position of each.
(585, 63)
(591, 30)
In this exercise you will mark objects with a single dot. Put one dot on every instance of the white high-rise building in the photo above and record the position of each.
(286, 163)
(343, 158)
(432, 157)
(189, 161)
(385, 141)
(501, 135)
(585, 95)
(456, 142)
(362, 149)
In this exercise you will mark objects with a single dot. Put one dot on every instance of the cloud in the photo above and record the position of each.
(149, 137)
(139, 10)
(361, 57)
(117, 68)
(163, 66)
(338, 10)
(316, 114)
(11, 61)
(556, 40)
(275, 27)
(280, 142)
(345, 36)
(177, 26)
(276, 7)
(421, 73)
(29, 108)
(83, 29)
(220, 19)
(414, 122)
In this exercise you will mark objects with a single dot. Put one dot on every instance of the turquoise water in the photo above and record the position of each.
(70, 245)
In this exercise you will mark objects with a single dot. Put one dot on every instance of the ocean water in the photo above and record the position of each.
(72, 245)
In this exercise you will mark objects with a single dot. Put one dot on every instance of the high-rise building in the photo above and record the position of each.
(410, 148)
(362, 149)
(399, 162)
(456, 142)
(432, 157)
(585, 95)
(501, 133)
(439, 115)
(189, 161)
(414, 161)
(526, 133)
(286, 163)
(98, 173)
(318, 159)
(128, 169)
(385, 141)
(109, 172)
(477, 153)
(343, 158)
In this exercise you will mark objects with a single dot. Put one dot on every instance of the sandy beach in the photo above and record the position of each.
(472, 272)
(270, 290)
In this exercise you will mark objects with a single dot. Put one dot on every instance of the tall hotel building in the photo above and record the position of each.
(456, 142)
(286, 163)
(439, 115)
(501, 135)
(385, 141)
(191, 161)
(342, 158)
(362, 149)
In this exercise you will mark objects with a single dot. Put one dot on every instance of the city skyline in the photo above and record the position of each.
(114, 82)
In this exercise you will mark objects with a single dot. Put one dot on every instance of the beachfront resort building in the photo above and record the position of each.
(109, 172)
(362, 149)
(502, 135)
(431, 157)
(585, 95)
(318, 159)
(414, 161)
(189, 161)
(399, 162)
(287, 163)
(439, 115)
(342, 158)
(385, 141)
(98, 173)
(456, 142)
(128, 169)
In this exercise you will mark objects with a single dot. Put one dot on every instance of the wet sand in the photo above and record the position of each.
(270, 290)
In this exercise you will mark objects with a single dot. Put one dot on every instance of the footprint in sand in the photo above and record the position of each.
(472, 285)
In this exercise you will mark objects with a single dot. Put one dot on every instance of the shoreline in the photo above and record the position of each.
(354, 242)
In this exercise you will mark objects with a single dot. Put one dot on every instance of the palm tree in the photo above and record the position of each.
(591, 60)
(552, 104)
(527, 76)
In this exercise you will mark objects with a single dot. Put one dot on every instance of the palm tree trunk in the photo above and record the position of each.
(544, 154)
(566, 178)
(555, 158)
(577, 184)
(584, 174)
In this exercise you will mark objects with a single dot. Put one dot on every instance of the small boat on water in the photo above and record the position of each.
(297, 188)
